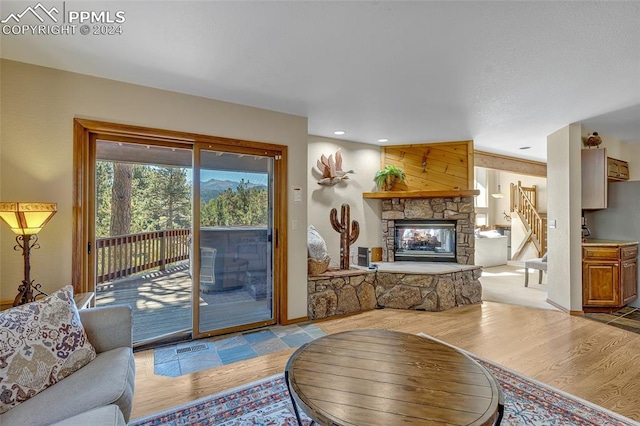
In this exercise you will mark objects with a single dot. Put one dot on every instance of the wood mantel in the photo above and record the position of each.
(383, 195)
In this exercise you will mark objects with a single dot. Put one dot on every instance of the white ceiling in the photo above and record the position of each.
(505, 74)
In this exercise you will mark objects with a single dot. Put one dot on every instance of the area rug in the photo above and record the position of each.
(267, 402)
(262, 403)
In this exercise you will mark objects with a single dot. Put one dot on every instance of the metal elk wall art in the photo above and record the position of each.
(331, 169)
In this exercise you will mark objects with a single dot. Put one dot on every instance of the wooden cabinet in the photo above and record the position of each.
(617, 169)
(594, 179)
(597, 170)
(609, 276)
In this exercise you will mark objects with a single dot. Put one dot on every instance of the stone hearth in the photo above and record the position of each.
(426, 286)
(338, 292)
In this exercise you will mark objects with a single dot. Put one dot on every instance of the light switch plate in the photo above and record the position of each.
(552, 223)
(297, 194)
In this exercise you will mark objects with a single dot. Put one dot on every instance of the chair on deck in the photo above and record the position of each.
(207, 269)
(539, 263)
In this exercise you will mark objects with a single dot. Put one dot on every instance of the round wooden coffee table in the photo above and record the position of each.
(381, 377)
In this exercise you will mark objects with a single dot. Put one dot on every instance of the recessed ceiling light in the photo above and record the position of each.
(383, 140)
(525, 147)
(339, 132)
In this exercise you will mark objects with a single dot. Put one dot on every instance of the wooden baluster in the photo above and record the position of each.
(163, 248)
(110, 262)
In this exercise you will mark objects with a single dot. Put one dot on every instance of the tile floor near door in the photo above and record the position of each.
(197, 355)
(505, 284)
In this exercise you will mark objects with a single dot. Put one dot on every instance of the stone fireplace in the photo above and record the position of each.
(425, 240)
(436, 227)
(425, 215)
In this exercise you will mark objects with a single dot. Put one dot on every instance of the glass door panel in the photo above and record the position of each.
(142, 229)
(234, 283)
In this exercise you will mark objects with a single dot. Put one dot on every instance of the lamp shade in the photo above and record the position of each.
(27, 218)
(498, 194)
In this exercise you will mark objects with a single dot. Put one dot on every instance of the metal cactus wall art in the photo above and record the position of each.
(349, 231)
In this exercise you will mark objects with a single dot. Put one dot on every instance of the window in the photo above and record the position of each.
(480, 183)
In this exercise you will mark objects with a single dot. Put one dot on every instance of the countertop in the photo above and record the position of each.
(613, 243)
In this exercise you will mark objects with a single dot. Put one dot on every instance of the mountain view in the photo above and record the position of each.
(212, 188)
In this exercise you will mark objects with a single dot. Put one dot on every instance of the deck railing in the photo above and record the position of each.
(124, 255)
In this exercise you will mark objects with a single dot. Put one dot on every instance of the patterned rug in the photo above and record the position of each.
(267, 403)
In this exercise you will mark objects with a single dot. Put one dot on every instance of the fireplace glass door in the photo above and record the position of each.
(431, 241)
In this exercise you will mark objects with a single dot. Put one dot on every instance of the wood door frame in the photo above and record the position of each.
(85, 131)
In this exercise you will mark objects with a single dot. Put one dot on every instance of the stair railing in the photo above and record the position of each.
(523, 202)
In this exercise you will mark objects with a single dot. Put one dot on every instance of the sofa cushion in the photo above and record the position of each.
(108, 379)
(41, 343)
(109, 415)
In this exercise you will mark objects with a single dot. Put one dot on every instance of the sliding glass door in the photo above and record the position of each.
(142, 227)
(234, 244)
(182, 227)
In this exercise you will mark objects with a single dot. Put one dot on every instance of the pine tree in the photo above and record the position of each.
(121, 199)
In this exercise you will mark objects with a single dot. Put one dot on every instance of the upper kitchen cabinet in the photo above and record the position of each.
(617, 170)
(597, 170)
(594, 179)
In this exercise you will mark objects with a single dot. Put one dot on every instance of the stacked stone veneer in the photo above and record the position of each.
(428, 292)
(343, 292)
(460, 209)
(340, 292)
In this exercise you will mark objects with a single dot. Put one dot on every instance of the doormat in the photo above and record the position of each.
(627, 318)
(197, 355)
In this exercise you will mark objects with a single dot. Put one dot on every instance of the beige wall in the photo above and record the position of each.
(564, 206)
(364, 159)
(38, 107)
(631, 153)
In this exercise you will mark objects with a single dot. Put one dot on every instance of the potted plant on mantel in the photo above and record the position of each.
(387, 177)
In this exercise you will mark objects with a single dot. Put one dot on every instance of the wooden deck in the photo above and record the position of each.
(161, 302)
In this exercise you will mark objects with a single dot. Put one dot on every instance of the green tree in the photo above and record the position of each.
(169, 197)
(243, 207)
(208, 213)
(104, 183)
(141, 217)
(160, 198)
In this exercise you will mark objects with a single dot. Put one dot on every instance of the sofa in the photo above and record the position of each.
(491, 249)
(100, 392)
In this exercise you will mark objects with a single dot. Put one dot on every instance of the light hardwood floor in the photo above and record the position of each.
(593, 361)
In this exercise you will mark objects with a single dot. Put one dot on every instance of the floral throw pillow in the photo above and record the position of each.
(41, 343)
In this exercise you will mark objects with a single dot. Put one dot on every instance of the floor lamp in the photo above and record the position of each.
(26, 220)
